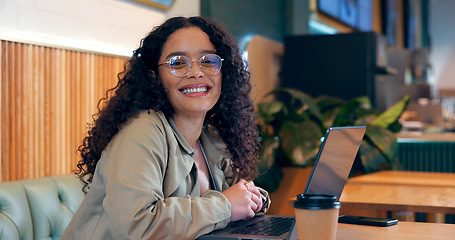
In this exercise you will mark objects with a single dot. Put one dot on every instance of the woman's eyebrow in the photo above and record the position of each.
(208, 51)
(173, 54)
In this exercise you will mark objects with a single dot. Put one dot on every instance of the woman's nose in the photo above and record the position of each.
(195, 70)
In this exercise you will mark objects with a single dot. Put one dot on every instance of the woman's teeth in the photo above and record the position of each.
(194, 90)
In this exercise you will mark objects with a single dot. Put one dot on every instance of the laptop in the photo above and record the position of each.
(330, 172)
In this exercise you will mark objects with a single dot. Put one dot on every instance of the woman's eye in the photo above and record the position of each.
(207, 62)
(178, 64)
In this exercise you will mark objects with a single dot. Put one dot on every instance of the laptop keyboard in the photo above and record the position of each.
(273, 226)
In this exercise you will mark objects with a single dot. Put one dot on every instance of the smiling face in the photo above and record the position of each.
(196, 93)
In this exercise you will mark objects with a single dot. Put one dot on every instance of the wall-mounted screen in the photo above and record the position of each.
(329, 7)
(354, 13)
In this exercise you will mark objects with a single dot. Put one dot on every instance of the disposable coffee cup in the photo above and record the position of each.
(316, 216)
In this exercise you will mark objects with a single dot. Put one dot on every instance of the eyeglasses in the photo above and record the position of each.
(180, 66)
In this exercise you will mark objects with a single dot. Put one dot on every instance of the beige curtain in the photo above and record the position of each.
(48, 96)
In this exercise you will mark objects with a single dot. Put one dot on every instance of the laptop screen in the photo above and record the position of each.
(334, 161)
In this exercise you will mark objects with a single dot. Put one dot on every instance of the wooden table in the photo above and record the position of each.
(403, 230)
(408, 192)
(407, 178)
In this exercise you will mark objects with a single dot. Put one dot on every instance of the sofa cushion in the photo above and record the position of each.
(67, 184)
(15, 220)
(39, 208)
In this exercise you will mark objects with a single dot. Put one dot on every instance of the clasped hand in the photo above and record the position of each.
(245, 199)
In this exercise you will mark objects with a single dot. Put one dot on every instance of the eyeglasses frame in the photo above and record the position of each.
(191, 64)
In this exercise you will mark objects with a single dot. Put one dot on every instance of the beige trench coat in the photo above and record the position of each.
(145, 186)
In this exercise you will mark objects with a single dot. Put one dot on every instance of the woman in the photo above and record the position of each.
(173, 152)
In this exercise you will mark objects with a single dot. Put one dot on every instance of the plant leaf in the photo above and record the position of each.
(270, 174)
(329, 116)
(269, 110)
(329, 107)
(268, 152)
(383, 140)
(305, 99)
(346, 115)
(325, 102)
(372, 159)
(365, 116)
(392, 114)
(300, 141)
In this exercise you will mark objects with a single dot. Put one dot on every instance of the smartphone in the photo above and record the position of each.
(370, 221)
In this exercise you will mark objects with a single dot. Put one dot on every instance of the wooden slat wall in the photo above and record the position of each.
(48, 96)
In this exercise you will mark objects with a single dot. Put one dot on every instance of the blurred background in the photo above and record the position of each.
(383, 49)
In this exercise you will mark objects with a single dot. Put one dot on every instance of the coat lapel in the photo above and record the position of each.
(218, 158)
(179, 166)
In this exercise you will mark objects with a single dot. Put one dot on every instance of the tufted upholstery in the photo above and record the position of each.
(39, 208)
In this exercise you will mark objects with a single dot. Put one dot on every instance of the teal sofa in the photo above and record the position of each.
(39, 208)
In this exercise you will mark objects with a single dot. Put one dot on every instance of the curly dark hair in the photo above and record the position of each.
(139, 88)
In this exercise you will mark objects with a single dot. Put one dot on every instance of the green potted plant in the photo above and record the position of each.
(291, 132)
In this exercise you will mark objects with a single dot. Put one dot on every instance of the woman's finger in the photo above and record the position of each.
(256, 195)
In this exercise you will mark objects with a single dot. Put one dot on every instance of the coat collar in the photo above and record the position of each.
(218, 156)
(213, 144)
(180, 139)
